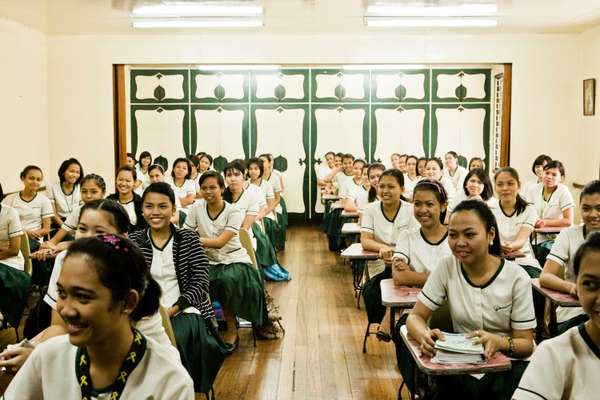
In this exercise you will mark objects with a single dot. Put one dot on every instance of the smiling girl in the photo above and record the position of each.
(104, 286)
(131, 201)
(476, 185)
(65, 195)
(181, 182)
(434, 171)
(475, 274)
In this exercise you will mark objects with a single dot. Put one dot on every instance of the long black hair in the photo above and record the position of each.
(372, 190)
(120, 267)
(116, 210)
(488, 190)
(487, 217)
(521, 203)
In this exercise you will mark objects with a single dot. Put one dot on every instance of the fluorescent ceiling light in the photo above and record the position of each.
(391, 22)
(198, 10)
(355, 67)
(230, 67)
(462, 10)
(198, 23)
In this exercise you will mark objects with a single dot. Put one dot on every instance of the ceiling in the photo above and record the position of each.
(75, 17)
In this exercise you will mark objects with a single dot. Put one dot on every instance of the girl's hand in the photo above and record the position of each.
(539, 223)
(491, 342)
(48, 245)
(44, 254)
(399, 265)
(573, 290)
(386, 253)
(507, 248)
(12, 359)
(173, 311)
(428, 342)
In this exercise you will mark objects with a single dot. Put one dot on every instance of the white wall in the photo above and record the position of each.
(23, 104)
(590, 125)
(546, 85)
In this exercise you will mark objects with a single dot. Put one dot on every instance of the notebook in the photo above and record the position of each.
(456, 348)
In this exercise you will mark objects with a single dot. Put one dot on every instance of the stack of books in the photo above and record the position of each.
(458, 349)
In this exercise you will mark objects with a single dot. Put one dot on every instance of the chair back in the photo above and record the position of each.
(166, 323)
(26, 252)
(247, 244)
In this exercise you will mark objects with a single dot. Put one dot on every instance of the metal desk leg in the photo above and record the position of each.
(553, 328)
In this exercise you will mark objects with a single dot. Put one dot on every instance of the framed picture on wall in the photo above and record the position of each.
(589, 96)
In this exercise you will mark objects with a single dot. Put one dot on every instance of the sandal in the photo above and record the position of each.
(383, 336)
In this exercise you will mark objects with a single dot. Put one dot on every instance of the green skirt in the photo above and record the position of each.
(371, 292)
(284, 213)
(239, 287)
(13, 293)
(201, 349)
(275, 232)
(41, 270)
(265, 253)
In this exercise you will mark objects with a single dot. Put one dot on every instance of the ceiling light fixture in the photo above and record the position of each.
(198, 10)
(198, 23)
(463, 10)
(390, 22)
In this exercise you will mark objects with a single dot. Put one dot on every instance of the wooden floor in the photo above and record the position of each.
(320, 357)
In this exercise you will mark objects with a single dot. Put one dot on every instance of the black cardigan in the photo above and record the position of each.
(137, 205)
(191, 267)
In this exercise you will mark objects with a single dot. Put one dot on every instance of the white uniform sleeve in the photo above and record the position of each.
(253, 204)
(276, 183)
(52, 294)
(14, 224)
(560, 249)
(368, 221)
(565, 200)
(234, 220)
(522, 315)
(191, 220)
(530, 217)
(269, 192)
(544, 377)
(47, 210)
(434, 293)
(402, 250)
(344, 190)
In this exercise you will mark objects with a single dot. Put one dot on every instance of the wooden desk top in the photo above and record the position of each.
(562, 299)
(499, 362)
(349, 214)
(350, 228)
(330, 197)
(550, 229)
(398, 296)
(356, 252)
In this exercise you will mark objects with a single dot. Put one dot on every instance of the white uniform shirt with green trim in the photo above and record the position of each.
(509, 227)
(249, 201)
(384, 230)
(188, 187)
(564, 367)
(31, 213)
(229, 219)
(10, 227)
(143, 177)
(528, 190)
(560, 200)
(351, 190)
(458, 179)
(339, 180)
(49, 373)
(563, 252)
(266, 187)
(450, 190)
(65, 203)
(323, 171)
(415, 250)
(362, 201)
(502, 304)
(130, 208)
(275, 181)
(460, 196)
(409, 185)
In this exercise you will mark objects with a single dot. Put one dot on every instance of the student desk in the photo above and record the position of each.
(396, 298)
(358, 256)
(555, 297)
(499, 362)
(547, 230)
(351, 230)
(330, 197)
(349, 214)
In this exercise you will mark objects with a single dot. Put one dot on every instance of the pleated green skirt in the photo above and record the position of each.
(284, 213)
(239, 287)
(276, 233)
(41, 270)
(201, 349)
(265, 253)
(13, 293)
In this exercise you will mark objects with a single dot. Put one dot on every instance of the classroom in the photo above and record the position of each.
(299, 199)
